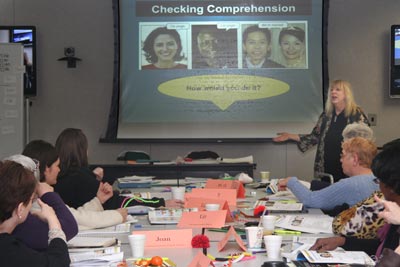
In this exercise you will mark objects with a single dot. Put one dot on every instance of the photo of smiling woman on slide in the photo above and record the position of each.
(163, 49)
(293, 47)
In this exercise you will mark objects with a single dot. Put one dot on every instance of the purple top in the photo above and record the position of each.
(34, 232)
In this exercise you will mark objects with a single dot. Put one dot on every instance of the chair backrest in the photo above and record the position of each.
(326, 177)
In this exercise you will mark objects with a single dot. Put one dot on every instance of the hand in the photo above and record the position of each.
(45, 213)
(124, 213)
(397, 250)
(174, 203)
(282, 137)
(329, 243)
(282, 183)
(391, 214)
(99, 172)
(43, 188)
(105, 192)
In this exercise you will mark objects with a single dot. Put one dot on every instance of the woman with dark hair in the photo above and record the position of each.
(38, 239)
(292, 42)
(162, 48)
(91, 214)
(18, 186)
(77, 184)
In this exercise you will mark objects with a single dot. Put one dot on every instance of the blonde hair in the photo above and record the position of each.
(365, 149)
(350, 104)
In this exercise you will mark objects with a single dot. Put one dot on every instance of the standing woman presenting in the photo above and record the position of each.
(340, 110)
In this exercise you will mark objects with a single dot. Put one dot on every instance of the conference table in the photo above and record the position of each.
(184, 256)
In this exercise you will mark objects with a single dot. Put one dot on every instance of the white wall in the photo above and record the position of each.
(358, 51)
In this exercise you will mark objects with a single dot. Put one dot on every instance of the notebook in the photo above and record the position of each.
(91, 242)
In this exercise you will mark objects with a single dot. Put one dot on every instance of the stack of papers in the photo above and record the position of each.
(94, 251)
(135, 181)
(167, 216)
(314, 224)
(120, 231)
(280, 206)
(91, 242)
(338, 256)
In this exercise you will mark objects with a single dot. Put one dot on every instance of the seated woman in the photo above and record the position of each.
(91, 214)
(357, 155)
(18, 187)
(391, 214)
(386, 167)
(38, 239)
(77, 184)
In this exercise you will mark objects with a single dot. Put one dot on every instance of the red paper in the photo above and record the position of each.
(227, 184)
(225, 240)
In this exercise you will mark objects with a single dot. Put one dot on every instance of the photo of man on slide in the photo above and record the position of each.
(213, 48)
(257, 48)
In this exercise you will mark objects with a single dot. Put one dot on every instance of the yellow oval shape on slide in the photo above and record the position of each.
(223, 90)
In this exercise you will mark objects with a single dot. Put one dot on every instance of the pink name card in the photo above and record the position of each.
(226, 194)
(181, 238)
(227, 184)
(200, 260)
(203, 219)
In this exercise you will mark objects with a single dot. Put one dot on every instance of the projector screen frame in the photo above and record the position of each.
(112, 126)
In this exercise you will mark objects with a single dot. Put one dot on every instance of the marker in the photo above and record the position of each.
(287, 232)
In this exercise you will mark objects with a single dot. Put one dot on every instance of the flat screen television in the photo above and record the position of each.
(394, 90)
(26, 35)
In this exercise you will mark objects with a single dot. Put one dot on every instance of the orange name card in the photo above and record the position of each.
(200, 203)
(203, 219)
(226, 194)
(200, 260)
(225, 240)
(227, 184)
(181, 238)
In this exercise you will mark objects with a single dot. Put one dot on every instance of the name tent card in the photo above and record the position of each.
(181, 238)
(201, 260)
(203, 219)
(226, 194)
(200, 203)
(227, 184)
(225, 240)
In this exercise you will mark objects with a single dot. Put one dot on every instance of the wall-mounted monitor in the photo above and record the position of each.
(26, 35)
(394, 90)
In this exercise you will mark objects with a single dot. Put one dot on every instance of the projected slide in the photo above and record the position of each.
(219, 69)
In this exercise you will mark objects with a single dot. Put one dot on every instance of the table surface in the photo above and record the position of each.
(183, 256)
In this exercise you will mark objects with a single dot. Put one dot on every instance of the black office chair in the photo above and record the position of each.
(323, 180)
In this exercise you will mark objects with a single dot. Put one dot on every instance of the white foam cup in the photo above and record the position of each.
(273, 246)
(178, 193)
(268, 222)
(137, 242)
(264, 176)
(212, 206)
(254, 236)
